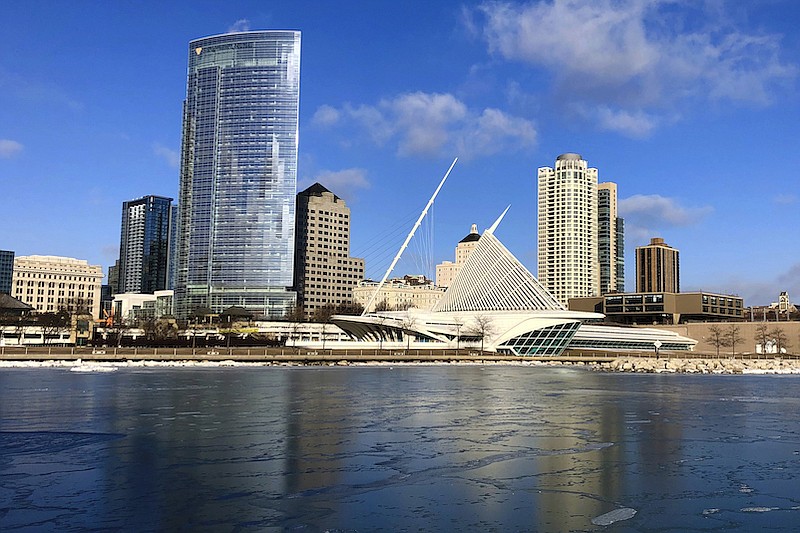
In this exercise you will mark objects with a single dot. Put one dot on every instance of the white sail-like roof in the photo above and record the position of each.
(492, 279)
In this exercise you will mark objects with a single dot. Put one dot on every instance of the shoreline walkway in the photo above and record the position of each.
(328, 356)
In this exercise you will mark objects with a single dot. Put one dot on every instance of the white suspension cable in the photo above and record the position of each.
(408, 239)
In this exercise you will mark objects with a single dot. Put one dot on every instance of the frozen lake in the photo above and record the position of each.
(403, 448)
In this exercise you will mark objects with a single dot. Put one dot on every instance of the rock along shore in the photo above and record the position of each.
(620, 364)
(700, 366)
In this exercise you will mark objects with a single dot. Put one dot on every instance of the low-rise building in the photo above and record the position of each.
(663, 307)
(130, 307)
(399, 293)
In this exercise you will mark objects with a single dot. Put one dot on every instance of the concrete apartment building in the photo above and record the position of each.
(324, 272)
(50, 283)
(568, 229)
(657, 267)
(446, 271)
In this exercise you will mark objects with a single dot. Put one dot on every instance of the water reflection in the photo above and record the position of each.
(403, 448)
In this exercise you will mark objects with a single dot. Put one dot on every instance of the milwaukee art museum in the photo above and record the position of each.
(496, 304)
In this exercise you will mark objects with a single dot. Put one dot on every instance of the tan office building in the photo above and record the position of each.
(51, 284)
(446, 271)
(324, 272)
(657, 267)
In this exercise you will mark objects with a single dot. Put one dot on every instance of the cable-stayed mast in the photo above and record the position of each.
(408, 239)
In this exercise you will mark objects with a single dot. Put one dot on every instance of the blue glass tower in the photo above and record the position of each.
(143, 250)
(238, 174)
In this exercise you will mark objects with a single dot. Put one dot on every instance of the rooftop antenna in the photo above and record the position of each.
(408, 239)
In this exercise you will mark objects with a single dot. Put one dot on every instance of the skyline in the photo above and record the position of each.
(696, 128)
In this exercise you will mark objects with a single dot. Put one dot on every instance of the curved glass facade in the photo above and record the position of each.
(622, 344)
(545, 341)
(238, 174)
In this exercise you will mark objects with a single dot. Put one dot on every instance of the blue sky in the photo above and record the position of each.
(690, 107)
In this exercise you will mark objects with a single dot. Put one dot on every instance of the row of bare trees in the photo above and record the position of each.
(730, 337)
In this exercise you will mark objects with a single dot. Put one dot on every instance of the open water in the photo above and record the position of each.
(403, 448)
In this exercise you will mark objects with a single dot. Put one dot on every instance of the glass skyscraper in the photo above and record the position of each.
(6, 271)
(143, 250)
(238, 174)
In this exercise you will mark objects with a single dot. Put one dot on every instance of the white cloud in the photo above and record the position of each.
(647, 215)
(9, 148)
(785, 199)
(343, 183)
(172, 157)
(627, 56)
(239, 25)
(325, 116)
(432, 124)
(631, 123)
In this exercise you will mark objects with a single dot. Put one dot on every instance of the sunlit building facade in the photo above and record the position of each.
(568, 229)
(447, 271)
(238, 174)
(325, 274)
(51, 284)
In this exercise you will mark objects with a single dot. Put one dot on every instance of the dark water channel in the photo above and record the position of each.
(404, 448)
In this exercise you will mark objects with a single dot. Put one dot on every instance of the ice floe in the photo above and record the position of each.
(617, 515)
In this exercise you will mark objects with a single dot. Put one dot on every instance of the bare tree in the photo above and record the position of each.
(482, 327)
(296, 316)
(148, 327)
(780, 338)
(409, 321)
(381, 322)
(762, 336)
(383, 305)
(733, 337)
(166, 329)
(323, 316)
(349, 308)
(716, 337)
(459, 323)
(52, 324)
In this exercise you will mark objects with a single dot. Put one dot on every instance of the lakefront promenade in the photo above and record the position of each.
(665, 362)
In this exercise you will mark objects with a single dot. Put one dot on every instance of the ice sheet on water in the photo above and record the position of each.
(623, 513)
